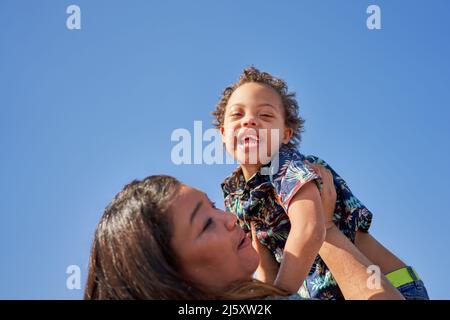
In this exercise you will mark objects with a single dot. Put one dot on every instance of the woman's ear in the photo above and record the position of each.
(287, 135)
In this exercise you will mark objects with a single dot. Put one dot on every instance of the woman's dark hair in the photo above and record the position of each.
(131, 256)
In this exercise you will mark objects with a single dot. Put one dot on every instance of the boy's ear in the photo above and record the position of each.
(287, 135)
(222, 133)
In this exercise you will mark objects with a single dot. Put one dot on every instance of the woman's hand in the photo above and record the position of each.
(327, 194)
(268, 267)
(347, 264)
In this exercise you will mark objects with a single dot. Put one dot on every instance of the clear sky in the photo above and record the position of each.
(83, 112)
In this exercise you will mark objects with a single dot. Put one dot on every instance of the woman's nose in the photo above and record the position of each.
(230, 221)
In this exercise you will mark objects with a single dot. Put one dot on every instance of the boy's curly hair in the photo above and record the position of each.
(252, 74)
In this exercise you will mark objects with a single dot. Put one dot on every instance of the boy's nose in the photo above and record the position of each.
(249, 121)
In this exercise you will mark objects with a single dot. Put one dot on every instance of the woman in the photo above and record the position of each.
(160, 239)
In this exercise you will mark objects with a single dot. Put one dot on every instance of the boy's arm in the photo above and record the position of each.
(268, 267)
(305, 238)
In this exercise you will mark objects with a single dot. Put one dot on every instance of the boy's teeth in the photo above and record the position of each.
(254, 138)
(250, 142)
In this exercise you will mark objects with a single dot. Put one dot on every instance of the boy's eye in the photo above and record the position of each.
(235, 114)
(266, 115)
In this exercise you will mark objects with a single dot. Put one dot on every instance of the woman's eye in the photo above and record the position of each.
(213, 204)
(207, 224)
(267, 115)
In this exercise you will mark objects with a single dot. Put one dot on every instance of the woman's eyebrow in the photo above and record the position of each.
(207, 198)
(194, 212)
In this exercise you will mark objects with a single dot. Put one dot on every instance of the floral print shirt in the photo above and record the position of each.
(265, 199)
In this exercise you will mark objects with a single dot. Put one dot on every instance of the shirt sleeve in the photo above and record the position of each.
(292, 175)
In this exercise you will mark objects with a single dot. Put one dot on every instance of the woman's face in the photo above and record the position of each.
(212, 249)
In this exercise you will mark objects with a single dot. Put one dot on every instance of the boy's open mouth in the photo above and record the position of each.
(250, 142)
(248, 139)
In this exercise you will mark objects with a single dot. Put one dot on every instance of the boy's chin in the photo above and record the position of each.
(248, 161)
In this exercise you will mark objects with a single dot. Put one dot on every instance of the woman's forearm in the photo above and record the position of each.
(267, 272)
(349, 267)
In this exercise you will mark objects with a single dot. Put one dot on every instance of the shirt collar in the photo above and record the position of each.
(235, 183)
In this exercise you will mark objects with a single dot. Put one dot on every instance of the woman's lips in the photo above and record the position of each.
(244, 242)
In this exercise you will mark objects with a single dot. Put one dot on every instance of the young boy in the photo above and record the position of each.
(258, 113)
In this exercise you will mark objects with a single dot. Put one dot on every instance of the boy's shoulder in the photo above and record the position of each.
(290, 160)
(289, 154)
(294, 172)
(292, 157)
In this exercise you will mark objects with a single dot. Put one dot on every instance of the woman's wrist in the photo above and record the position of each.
(266, 274)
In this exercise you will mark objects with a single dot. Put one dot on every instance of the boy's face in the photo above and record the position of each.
(254, 124)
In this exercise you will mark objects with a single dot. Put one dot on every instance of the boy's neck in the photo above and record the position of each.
(249, 170)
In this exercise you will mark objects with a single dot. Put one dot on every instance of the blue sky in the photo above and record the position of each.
(83, 112)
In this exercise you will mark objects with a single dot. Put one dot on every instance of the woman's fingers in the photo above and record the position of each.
(326, 175)
(330, 184)
(252, 224)
(328, 192)
(327, 178)
(255, 241)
